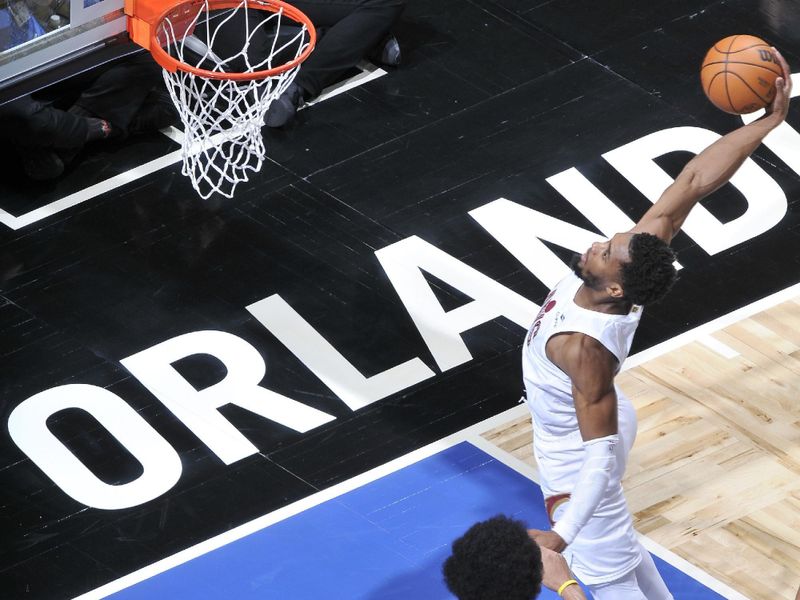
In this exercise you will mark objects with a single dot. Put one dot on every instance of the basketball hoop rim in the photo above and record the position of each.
(172, 65)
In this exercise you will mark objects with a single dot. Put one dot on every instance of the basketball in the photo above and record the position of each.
(738, 74)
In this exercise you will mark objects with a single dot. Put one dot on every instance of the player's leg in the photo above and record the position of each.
(353, 28)
(624, 588)
(119, 91)
(649, 579)
(643, 583)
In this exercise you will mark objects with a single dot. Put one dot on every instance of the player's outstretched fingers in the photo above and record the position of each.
(783, 87)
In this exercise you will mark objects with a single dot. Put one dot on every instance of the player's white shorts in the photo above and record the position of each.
(606, 548)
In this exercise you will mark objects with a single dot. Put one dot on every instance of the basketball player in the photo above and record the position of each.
(496, 559)
(583, 426)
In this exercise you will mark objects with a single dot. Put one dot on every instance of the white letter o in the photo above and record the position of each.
(161, 465)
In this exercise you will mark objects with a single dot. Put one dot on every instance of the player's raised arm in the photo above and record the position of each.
(715, 165)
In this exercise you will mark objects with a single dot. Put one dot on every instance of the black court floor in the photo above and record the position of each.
(172, 367)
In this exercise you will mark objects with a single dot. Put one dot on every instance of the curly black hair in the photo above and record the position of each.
(649, 274)
(495, 560)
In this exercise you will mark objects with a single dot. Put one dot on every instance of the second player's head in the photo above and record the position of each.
(495, 560)
(632, 267)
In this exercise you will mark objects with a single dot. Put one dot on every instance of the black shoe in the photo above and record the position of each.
(41, 164)
(387, 53)
(284, 108)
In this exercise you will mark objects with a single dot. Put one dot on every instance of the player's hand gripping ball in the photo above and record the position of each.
(738, 74)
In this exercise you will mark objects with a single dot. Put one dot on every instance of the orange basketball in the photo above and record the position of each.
(738, 74)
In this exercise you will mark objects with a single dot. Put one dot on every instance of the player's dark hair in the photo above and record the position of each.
(649, 274)
(494, 560)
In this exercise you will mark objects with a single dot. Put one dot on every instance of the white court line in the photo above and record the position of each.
(368, 73)
(85, 194)
(506, 458)
(707, 329)
(714, 344)
(472, 435)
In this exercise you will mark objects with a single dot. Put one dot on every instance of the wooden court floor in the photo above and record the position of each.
(714, 475)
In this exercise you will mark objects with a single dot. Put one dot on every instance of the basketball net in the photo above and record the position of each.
(222, 100)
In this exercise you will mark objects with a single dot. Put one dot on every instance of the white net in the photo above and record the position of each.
(222, 118)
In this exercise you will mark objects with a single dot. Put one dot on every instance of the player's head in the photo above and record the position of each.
(635, 267)
(494, 560)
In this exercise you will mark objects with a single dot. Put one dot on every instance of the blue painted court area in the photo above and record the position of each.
(385, 540)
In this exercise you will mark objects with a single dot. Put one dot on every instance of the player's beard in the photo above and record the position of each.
(587, 278)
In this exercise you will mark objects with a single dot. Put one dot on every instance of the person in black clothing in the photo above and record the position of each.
(130, 95)
(352, 30)
(113, 102)
(38, 131)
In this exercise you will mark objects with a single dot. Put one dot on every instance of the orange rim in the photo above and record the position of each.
(274, 6)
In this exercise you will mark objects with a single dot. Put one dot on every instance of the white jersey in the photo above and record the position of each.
(606, 548)
(548, 389)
